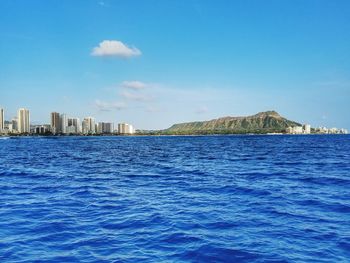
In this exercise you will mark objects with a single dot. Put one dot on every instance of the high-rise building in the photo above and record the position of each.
(55, 122)
(105, 127)
(125, 128)
(74, 125)
(89, 125)
(307, 128)
(84, 126)
(23, 119)
(14, 122)
(2, 120)
(63, 123)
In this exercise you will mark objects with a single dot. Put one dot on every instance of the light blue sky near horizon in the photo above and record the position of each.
(199, 60)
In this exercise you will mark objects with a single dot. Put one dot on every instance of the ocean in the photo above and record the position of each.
(175, 199)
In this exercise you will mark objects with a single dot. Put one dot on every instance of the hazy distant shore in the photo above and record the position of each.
(160, 134)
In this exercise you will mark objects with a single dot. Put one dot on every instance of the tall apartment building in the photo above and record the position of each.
(2, 120)
(63, 123)
(105, 127)
(23, 120)
(55, 122)
(125, 128)
(73, 125)
(89, 126)
(307, 128)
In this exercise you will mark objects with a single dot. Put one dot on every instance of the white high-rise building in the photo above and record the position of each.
(2, 120)
(307, 128)
(105, 127)
(84, 126)
(125, 128)
(89, 126)
(63, 123)
(23, 121)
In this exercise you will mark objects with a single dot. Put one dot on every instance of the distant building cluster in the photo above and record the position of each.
(19, 124)
(324, 130)
(306, 129)
(60, 124)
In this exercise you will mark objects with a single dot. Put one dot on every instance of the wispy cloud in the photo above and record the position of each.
(134, 84)
(115, 48)
(136, 90)
(109, 106)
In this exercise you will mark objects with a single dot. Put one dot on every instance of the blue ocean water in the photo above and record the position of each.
(175, 199)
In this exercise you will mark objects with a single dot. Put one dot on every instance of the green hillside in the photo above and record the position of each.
(263, 122)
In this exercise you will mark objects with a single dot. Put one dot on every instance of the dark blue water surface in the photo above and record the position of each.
(172, 199)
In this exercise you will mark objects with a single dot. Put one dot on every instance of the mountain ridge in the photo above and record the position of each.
(262, 122)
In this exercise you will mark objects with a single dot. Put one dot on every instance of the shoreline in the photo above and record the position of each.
(165, 135)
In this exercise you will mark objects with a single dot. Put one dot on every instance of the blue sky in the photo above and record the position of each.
(155, 63)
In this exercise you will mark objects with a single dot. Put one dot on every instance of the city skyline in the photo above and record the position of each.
(61, 123)
(171, 62)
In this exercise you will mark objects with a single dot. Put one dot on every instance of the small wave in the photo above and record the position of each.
(213, 253)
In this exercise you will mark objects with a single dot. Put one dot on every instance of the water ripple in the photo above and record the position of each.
(175, 199)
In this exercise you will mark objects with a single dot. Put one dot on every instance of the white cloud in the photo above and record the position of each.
(135, 96)
(135, 85)
(115, 48)
(108, 106)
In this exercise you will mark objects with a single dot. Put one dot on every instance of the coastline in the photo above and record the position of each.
(2, 136)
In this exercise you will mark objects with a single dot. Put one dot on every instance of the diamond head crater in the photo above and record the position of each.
(260, 123)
